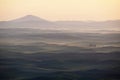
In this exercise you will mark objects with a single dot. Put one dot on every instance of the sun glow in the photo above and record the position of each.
(61, 9)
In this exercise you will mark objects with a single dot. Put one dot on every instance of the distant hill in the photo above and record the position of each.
(31, 21)
(30, 18)
(90, 23)
(28, 21)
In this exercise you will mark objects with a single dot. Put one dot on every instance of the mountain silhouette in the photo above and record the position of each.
(31, 21)
(29, 18)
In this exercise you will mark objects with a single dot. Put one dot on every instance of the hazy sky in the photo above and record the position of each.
(61, 9)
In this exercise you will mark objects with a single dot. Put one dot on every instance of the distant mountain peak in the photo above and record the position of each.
(32, 16)
(29, 18)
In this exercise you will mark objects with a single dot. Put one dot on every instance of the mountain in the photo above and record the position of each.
(30, 18)
(31, 21)
(28, 21)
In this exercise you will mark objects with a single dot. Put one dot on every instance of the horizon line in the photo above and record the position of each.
(61, 20)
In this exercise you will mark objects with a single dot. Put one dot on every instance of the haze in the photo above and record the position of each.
(61, 9)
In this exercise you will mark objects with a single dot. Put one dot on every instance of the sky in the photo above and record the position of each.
(97, 10)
